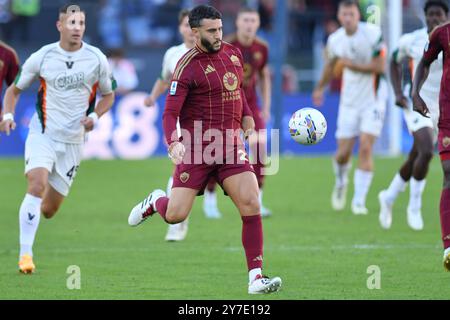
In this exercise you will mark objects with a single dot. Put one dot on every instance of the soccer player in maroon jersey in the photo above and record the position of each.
(439, 42)
(9, 67)
(206, 94)
(256, 71)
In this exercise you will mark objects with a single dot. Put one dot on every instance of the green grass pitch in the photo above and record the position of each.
(320, 254)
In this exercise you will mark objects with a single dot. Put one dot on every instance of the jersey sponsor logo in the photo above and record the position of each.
(66, 81)
(446, 142)
(69, 64)
(235, 60)
(184, 177)
(230, 81)
(173, 88)
(209, 69)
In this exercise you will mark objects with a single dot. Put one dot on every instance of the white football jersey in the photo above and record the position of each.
(411, 46)
(69, 83)
(171, 58)
(358, 88)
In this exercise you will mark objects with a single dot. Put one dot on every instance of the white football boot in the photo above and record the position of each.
(177, 232)
(447, 259)
(145, 208)
(265, 212)
(359, 209)
(385, 216)
(339, 197)
(263, 285)
(414, 218)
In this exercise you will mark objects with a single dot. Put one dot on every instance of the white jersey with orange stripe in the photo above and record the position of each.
(359, 89)
(69, 83)
(411, 46)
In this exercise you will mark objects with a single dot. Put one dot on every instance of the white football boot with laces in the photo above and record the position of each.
(177, 232)
(414, 218)
(385, 216)
(264, 285)
(339, 197)
(144, 209)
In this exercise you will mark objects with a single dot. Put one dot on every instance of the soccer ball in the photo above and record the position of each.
(308, 126)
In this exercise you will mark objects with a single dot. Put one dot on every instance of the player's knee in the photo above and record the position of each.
(176, 214)
(342, 157)
(36, 188)
(365, 152)
(250, 205)
(426, 154)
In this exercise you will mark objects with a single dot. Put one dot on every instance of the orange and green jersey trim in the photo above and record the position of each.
(41, 104)
(92, 99)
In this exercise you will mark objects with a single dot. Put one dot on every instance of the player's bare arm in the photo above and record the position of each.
(420, 77)
(396, 73)
(158, 89)
(327, 75)
(102, 107)
(377, 65)
(10, 100)
(266, 91)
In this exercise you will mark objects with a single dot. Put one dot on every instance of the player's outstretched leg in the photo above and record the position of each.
(388, 196)
(243, 190)
(210, 201)
(363, 175)
(341, 167)
(145, 209)
(445, 210)
(178, 231)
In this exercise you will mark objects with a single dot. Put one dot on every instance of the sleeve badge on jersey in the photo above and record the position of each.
(235, 60)
(173, 88)
(427, 46)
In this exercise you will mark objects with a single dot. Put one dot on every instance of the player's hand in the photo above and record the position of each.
(318, 97)
(176, 152)
(347, 63)
(401, 101)
(420, 106)
(88, 123)
(7, 126)
(150, 101)
(248, 126)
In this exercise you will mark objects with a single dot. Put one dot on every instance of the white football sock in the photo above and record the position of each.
(210, 198)
(169, 187)
(362, 181)
(29, 217)
(415, 193)
(397, 185)
(260, 197)
(341, 172)
(253, 273)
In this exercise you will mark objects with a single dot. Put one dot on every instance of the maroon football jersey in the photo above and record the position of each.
(255, 59)
(206, 89)
(9, 66)
(440, 42)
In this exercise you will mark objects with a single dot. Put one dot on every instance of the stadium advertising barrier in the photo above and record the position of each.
(133, 131)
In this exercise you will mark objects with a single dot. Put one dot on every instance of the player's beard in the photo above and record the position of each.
(208, 46)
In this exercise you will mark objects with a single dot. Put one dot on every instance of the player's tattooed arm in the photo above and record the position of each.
(396, 73)
(420, 77)
(327, 76)
(10, 100)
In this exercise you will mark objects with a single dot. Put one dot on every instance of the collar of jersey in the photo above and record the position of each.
(71, 53)
(211, 53)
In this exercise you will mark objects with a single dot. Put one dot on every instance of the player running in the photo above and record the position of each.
(9, 67)
(70, 73)
(439, 42)
(424, 130)
(206, 94)
(175, 232)
(256, 70)
(359, 47)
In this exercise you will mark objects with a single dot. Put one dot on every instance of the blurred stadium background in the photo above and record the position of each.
(140, 31)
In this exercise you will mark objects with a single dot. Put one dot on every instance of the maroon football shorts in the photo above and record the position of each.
(444, 143)
(197, 176)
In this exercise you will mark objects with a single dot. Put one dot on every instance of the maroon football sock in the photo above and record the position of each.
(445, 217)
(161, 206)
(252, 240)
